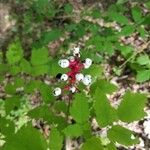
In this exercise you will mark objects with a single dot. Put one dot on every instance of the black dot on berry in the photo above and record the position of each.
(58, 76)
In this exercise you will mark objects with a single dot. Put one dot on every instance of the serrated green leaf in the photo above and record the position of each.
(143, 75)
(55, 140)
(12, 103)
(104, 86)
(52, 35)
(95, 71)
(110, 146)
(92, 144)
(115, 16)
(32, 86)
(143, 59)
(137, 14)
(96, 13)
(25, 66)
(14, 53)
(39, 56)
(105, 114)
(122, 136)
(22, 140)
(4, 68)
(40, 70)
(10, 89)
(130, 105)
(127, 30)
(125, 50)
(80, 108)
(60, 106)
(68, 8)
(14, 70)
(46, 93)
(44, 112)
(74, 130)
(7, 127)
(54, 68)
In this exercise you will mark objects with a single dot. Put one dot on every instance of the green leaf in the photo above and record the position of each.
(104, 86)
(108, 47)
(12, 103)
(7, 127)
(44, 112)
(39, 56)
(14, 53)
(130, 105)
(46, 93)
(68, 8)
(32, 86)
(54, 68)
(125, 50)
(143, 60)
(95, 71)
(80, 109)
(115, 16)
(86, 129)
(127, 30)
(143, 75)
(10, 89)
(105, 114)
(25, 66)
(122, 136)
(74, 130)
(14, 70)
(4, 68)
(137, 14)
(52, 35)
(96, 13)
(40, 70)
(55, 140)
(60, 106)
(22, 140)
(92, 144)
(111, 146)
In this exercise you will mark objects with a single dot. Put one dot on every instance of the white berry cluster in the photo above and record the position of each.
(74, 76)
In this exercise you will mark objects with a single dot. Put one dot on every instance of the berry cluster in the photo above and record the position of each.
(74, 76)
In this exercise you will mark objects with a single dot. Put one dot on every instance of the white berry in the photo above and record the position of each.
(72, 89)
(71, 58)
(57, 91)
(147, 127)
(87, 80)
(64, 63)
(64, 77)
(79, 76)
(76, 51)
(88, 63)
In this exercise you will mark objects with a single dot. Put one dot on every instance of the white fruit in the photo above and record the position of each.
(87, 80)
(71, 58)
(64, 77)
(72, 89)
(88, 63)
(57, 91)
(64, 63)
(146, 125)
(79, 76)
(76, 51)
